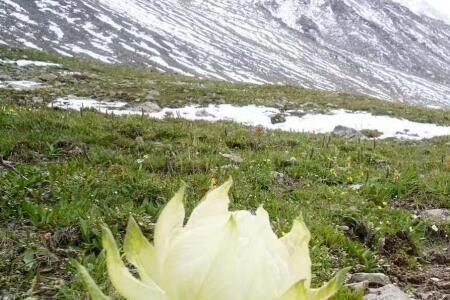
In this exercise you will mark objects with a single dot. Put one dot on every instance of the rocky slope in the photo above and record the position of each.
(378, 48)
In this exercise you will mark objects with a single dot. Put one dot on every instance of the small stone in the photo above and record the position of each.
(278, 176)
(140, 141)
(388, 292)
(444, 285)
(147, 107)
(151, 95)
(37, 100)
(374, 279)
(371, 133)
(233, 157)
(229, 166)
(48, 77)
(358, 286)
(75, 151)
(344, 228)
(355, 187)
(278, 118)
(204, 113)
(435, 215)
(4, 77)
(347, 132)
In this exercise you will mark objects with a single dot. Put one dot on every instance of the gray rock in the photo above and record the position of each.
(435, 215)
(4, 77)
(48, 77)
(278, 177)
(140, 141)
(388, 292)
(278, 118)
(233, 157)
(37, 100)
(344, 228)
(373, 279)
(151, 95)
(147, 107)
(358, 286)
(204, 113)
(347, 132)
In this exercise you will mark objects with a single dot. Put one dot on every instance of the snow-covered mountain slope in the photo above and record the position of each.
(374, 47)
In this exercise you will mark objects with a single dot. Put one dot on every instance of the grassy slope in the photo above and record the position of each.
(77, 171)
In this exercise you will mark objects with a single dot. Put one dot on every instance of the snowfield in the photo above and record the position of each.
(261, 116)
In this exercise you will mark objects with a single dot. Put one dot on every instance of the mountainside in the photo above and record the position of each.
(373, 47)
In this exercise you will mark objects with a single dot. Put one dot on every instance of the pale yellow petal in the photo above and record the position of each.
(214, 203)
(92, 288)
(297, 244)
(264, 266)
(126, 284)
(330, 288)
(198, 264)
(298, 291)
(170, 221)
(140, 252)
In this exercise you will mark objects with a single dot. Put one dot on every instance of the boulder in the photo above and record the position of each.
(278, 118)
(48, 77)
(233, 157)
(278, 177)
(347, 132)
(388, 292)
(204, 114)
(147, 107)
(151, 95)
(373, 279)
(4, 77)
(435, 215)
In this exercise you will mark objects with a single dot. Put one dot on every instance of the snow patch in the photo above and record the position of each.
(20, 85)
(26, 63)
(56, 30)
(105, 59)
(261, 116)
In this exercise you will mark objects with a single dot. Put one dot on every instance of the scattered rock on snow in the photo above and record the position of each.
(371, 133)
(435, 215)
(204, 113)
(147, 107)
(278, 118)
(347, 132)
(388, 292)
(373, 279)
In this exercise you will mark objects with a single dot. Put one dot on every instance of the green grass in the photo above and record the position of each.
(74, 172)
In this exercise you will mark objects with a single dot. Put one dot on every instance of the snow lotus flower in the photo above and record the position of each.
(217, 255)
